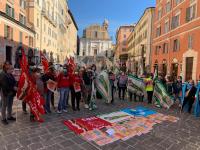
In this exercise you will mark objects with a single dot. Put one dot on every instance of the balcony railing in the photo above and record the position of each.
(48, 16)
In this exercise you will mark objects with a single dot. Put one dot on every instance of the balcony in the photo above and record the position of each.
(49, 17)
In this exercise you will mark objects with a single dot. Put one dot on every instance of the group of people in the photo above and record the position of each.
(77, 82)
(172, 84)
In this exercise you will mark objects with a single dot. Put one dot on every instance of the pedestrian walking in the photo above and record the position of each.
(122, 83)
(63, 88)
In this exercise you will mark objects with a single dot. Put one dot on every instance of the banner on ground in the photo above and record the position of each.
(139, 111)
(160, 96)
(115, 116)
(82, 125)
(103, 86)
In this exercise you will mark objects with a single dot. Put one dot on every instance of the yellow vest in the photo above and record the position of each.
(149, 84)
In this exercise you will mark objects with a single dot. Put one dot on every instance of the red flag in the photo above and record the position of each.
(27, 91)
(44, 61)
(24, 62)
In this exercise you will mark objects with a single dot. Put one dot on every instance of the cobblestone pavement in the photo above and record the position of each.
(53, 135)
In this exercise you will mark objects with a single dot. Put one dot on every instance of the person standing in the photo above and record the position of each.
(8, 90)
(49, 76)
(87, 80)
(35, 77)
(190, 97)
(123, 80)
(76, 91)
(149, 87)
(112, 80)
(63, 87)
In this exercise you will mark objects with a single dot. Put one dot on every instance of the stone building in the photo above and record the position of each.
(121, 51)
(139, 43)
(176, 47)
(95, 40)
(14, 30)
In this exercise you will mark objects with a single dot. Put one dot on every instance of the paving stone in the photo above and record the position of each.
(35, 146)
(67, 143)
(13, 146)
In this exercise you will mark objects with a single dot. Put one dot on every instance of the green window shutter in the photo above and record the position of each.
(5, 31)
(13, 12)
(7, 9)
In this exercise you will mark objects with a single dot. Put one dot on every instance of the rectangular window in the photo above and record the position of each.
(37, 22)
(168, 7)
(22, 19)
(20, 37)
(167, 27)
(96, 34)
(157, 50)
(30, 41)
(176, 45)
(165, 48)
(158, 31)
(190, 41)
(22, 4)
(175, 21)
(178, 2)
(8, 32)
(10, 11)
(123, 49)
(159, 14)
(190, 13)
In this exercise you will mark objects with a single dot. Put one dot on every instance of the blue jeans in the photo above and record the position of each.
(48, 99)
(64, 92)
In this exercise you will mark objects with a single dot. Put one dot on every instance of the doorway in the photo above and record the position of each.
(189, 68)
(9, 54)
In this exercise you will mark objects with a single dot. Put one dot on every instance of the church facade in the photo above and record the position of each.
(95, 40)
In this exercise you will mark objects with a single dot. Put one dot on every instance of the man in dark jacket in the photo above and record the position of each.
(8, 89)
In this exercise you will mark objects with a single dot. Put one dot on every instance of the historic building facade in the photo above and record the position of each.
(95, 40)
(121, 51)
(54, 26)
(139, 43)
(175, 44)
(14, 30)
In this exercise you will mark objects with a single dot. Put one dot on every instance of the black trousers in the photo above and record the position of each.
(123, 90)
(75, 98)
(149, 96)
(24, 106)
(52, 100)
(112, 92)
(190, 102)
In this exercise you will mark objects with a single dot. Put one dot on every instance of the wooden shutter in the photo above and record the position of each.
(5, 31)
(178, 45)
(11, 33)
(7, 9)
(13, 13)
(194, 11)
